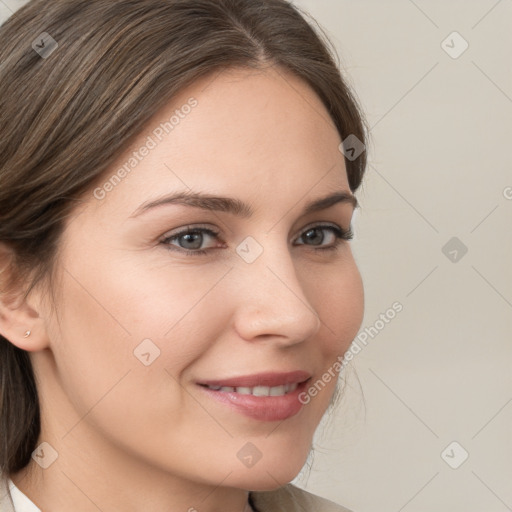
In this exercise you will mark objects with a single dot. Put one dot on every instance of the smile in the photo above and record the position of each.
(263, 397)
(257, 390)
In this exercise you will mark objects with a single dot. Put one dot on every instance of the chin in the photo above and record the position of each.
(269, 476)
(265, 483)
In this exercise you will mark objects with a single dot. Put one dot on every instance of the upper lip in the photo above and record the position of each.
(269, 379)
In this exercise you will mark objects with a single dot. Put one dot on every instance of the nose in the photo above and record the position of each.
(271, 303)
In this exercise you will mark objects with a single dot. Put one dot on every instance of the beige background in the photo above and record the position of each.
(440, 165)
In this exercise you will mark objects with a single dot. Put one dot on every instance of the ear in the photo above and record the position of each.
(17, 314)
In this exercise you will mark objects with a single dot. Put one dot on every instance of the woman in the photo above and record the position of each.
(178, 288)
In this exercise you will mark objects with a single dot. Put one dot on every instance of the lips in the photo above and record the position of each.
(264, 397)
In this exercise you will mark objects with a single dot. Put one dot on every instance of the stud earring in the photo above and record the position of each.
(27, 334)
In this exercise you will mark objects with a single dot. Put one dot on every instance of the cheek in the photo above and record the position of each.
(90, 345)
(339, 302)
(102, 320)
(117, 316)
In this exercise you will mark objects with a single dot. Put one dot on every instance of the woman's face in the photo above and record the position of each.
(252, 297)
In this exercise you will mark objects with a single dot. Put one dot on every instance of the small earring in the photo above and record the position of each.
(27, 334)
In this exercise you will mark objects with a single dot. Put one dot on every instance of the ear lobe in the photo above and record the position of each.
(17, 316)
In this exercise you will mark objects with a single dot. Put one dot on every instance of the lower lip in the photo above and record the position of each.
(263, 408)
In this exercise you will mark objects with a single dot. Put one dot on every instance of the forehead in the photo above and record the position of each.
(239, 132)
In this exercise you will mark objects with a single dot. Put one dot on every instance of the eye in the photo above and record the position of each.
(190, 240)
(315, 234)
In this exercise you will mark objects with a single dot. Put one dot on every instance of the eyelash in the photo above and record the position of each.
(340, 234)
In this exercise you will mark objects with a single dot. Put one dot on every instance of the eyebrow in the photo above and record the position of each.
(235, 206)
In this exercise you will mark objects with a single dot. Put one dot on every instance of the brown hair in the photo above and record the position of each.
(66, 116)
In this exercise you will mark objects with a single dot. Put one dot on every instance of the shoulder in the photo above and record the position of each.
(6, 503)
(293, 499)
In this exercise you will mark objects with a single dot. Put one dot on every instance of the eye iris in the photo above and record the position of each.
(310, 235)
(194, 238)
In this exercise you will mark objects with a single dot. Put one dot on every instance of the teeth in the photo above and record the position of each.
(261, 391)
(258, 390)
(277, 391)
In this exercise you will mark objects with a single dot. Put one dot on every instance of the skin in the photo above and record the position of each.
(133, 437)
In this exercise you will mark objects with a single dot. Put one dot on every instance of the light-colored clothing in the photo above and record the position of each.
(19, 502)
(286, 499)
(293, 499)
